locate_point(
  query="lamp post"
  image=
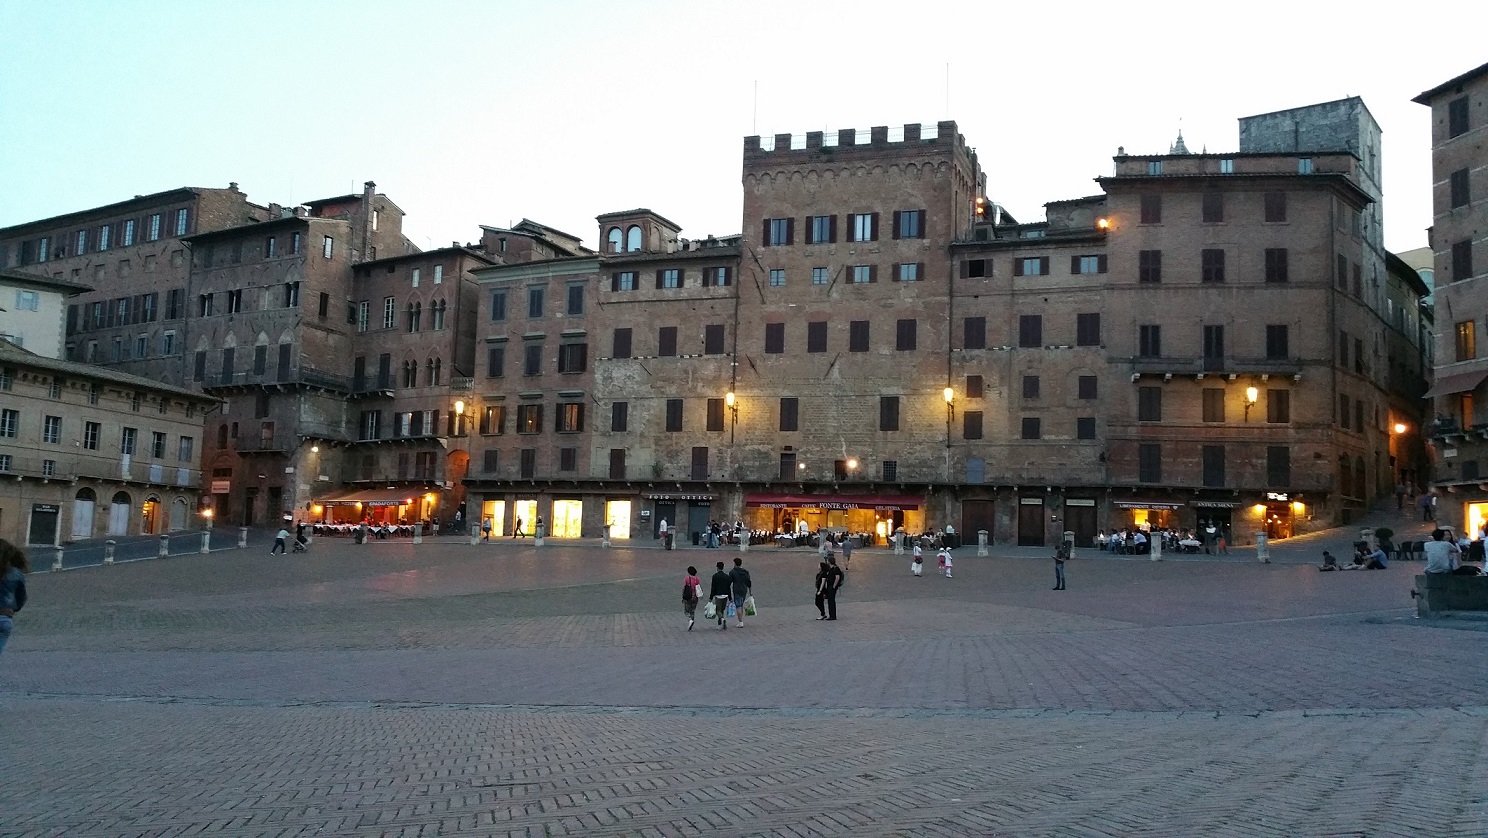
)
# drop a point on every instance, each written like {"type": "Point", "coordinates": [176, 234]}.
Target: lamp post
{"type": "Point", "coordinates": [1251, 395]}
{"type": "Point", "coordinates": [732, 403]}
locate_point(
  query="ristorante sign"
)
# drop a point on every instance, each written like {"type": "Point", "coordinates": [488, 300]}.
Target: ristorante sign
{"type": "Point", "coordinates": [878, 502]}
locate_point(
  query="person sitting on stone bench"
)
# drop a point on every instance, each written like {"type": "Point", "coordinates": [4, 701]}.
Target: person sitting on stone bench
{"type": "Point", "coordinates": [1442, 556]}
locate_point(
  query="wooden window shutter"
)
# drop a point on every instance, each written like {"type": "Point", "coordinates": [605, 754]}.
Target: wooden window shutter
{"type": "Point", "coordinates": [658, 278]}
{"type": "Point", "coordinates": [1074, 264]}
{"type": "Point", "coordinates": [872, 273]}
{"type": "Point", "coordinates": [832, 230]}
{"type": "Point", "coordinates": [790, 231]}
{"type": "Point", "coordinates": [765, 234]}
{"type": "Point", "coordinates": [614, 282]}
{"type": "Point", "coordinates": [1100, 263]}
{"type": "Point", "coordinates": [920, 271]}
{"type": "Point", "coordinates": [874, 224]}
{"type": "Point", "coordinates": [1043, 266]}
{"type": "Point", "coordinates": [896, 224]}
{"type": "Point", "coordinates": [728, 276]}
{"type": "Point", "coordinates": [924, 222]}
{"type": "Point", "coordinates": [1017, 267]}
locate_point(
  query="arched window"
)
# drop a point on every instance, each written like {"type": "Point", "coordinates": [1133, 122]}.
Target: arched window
{"type": "Point", "coordinates": [436, 315]}
{"type": "Point", "coordinates": [410, 373]}
{"type": "Point", "coordinates": [633, 239]}
{"type": "Point", "coordinates": [435, 371]}
{"type": "Point", "coordinates": [222, 435]}
{"type": "Point", "coordinates": [612, 240]}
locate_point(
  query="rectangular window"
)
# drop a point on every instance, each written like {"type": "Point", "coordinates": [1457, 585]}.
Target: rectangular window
{"type": "Point", "coordinates": [620, 344]}
{"type": "Point", "coordinates": [1467, 340]}
{"type": "Point", "coordinates": [971, 424]}
{"type": "Point", "coordinates": [1278, 466]}
{"type": "Point", "coordinates": [857, 336]}
{"type": "Point", "coordinates": [699, 463]}
{"type": "Point", "coordinates": [389, 312]}
{"type": "Point", "coordinates": [493, 420]}
{"type": "Point", "coordinates": [1030, 331]}
{"type": "Point", "coordinates": [1149, 266]}
{"type": "Point", "coordinates": [1032, 428]}
{"type": "Point", "coordinates": [363, 315]}
{"type": "Point", "coordinates": [323, 308]}
{"type": "Point", "coordinates": [1277, 342]}
{"type": "Point", "coordinates": [1462, 261]}
{"type": "Point", "coordinates": [1227, 166]}
{"type": "Point", "coordinates": [667, 278]}
{"type": "Point", "coordinates": [974, 387]}
{"type": "Point", "coordinates": [1088, 387]}
{"type": "Point", "coordinates": [674, 415]}
{"type": "Point", "coordinates": [127, 238]}
{"type": "Point", "coordinates": [271, 247]}
{"type": "Point", "coordinates": [1212, 265]}
{"type": "Point", "coordinates": [908, 271]}
{"type": "Point", "coordinates": [1213, 207]}
{"type": "Point", "coordinates": [81, 243]}
{"type": "Point", "coordinates": [816, 336]}
{"type": "Point", "coordinates": [713, 421]}
{"type": "Point", "coordinates": [91, 432]}
{"type": "Point", "coordinates": [1149, 404]}
{"type": "Point", "coordinates": [498, 306]}
{"type": "Point", "coordinates": [10, 423]}
{"type": "Point", "coordinates": [1031, 266]}
{"type": "Point", "coordinates": [490, 460]}
{"type": "Point", "coordinates": [181, 218]}
{"type": "Point", "coordinates": [863, 227]}
{"type": "Point", "coordinates": [575, 299]}
{"type": "Point", "coordinates": [1460, 196]}
{"type": "Point", "coordinates": [1088, 264]}
{"type": "Point", "coordinates": [1030, 386]}
{"type": "Point", "coordinates": [1343, 411]}
{"type": "Point", "coordinates": [28, 300]}
{"type": "Point", "coordinates": [1304, 165]}
{"type": "Point", "coordinates": [713, 338]}
{"type": "Point", "coordinates": [976, 268]}
{"type": "Point", "coordinates": [327, 247]}
{"type": "Point", "coordinates": [185, 449]}
{"type": "Point", "coordinates": [888, 413]}
{"type": "Point", "coordinates": [1457, 117]}
{"type": "Point", "coordinates": [774, 338]}
{"type": "Point", "coordinates": [1359, 356]}
{"type": "Point", "coordinates": [1276, 206]}
{"type": "Point", "coordinates": [568, 459]}
{"type": "Point", "coordinates": [127, 439]}
{"type": "Point", "coordinates": [529, 418]}
{"type": "Point", "coordinates": [153, 227]}
{"type": "Point", "coordinates": [105, 236]}
{"type": "Point", "coordinates": [291, 294]}
{"type": "Point", "coordinates": [1276, 264]}
{"type": "Point", "coordinates": [1151, 209]}
{"type": "Point", "coordinates": [1340, 272]}
{"type": "Point", "coordinates": [666, 341]}
{"type": "Point", "coordinates": [819, 276]}
{"type": "Point", "coordinates": [778, 232]}
{"type": "Point", "coordinates": [1278, 407]}
{"type": "Point", "coordinates": [51, 430]}
{"type": "Point", "coordinates": [1149, 462]}
{"type": "Point", "coordinates": [570, 418]}
{"type": "Point", "coordinates": [1088, 329]}
{"type": "Point", "coordinates": [1085, 427]}
{"type": "Point", "coordinates": [1214, 404]}
{"type": "Point", "coordinates": [1154, 167]}
{"type": "Point", "coordinates": [527, 463]}
{"type": "Point", "coordinates": [619, 417]}
{"type": "Point", "coordinates": [974, 333]}
{"type": "Point", "coordinates": [532, 359]}
{"type": "Point", "coordinates": [787, 466]}
{"type": "Point", "coordinates": [260, 359]}
{"type": "Point", "coordinates": [905, 335]}
{"type": "Point", "coordinates": [864, 274]}
{"type": "Point", "coordinates": [438, 274]}
{"type": "Point", "coordinates": [534, 303]}
{"type": "Point", "coordinates": [295, 240]}
{"type": "Point", "coordinates": [573, 357]}
{"type": "Point", "coordinates": [1214, 466]}
{"type": "Point", "coordinates": [718, 277]}
{"type": "Point", "coordinates": [495, 362]}
{"type": "Point", "coordinates": [821, 229]}
{"type": "Point", "coordinates": [617, 463]}
{"type": "Point", "coordinates": [909, 224]}
{"type": "Point", "coordinates": [790, 408]}
{"type": "Point", "coordinates": [417, 274]}
{"type": "Point", "coordinates": [157, 445]}
{"type": "Point", "coordinates": [626, 281]}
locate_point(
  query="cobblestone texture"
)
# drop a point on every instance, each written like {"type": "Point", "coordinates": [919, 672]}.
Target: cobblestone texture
{"type": "Point", "coordinates": [505, 690]}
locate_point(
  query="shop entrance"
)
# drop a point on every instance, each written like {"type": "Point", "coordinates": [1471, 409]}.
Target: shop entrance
{"type": "Point", "coordinates": [665, 511]}
{"type": "Point", "coordinates": [1030, 522]}
{"type": "Point", "coordinates": [1222, 521]}
{"type": "Point", "coordinates": [1278, 519]}
{"type": "Point", "coordinates": [118, 523]}
{"type": "Point", "coordinates": [524, 512]}
{"type": "Point", "coordinates": [568, 519]}
{"type": "Point", "coordinates": [495, 512]}
{"type": "Point", "coordinates": [150, 515]}
{"type": "Point", "coordinates": [43, 528]}
{"type": "Point", "coordinates": [699, 513]}
{"type": "Point", "coordinates": [1079, 518]}
{"type": "Point", "coordinates": [82, 513]}
{"type": "Point", "coordinates": [617, 515]}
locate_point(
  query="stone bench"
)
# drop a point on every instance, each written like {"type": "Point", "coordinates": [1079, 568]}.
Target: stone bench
{"type": "Point", "coordinates": [1436, 593]}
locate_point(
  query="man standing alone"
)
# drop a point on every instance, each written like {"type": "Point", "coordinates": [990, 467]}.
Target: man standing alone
{"type": "Point", "coordinates": [835, 578]}
{"type": "Point", "coordinates": [740, 585]}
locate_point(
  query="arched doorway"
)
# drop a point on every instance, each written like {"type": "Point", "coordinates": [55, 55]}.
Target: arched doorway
{"type": "Point", "coordinates": [150, 516]}
{"type": "Point", "coordinates": [83, 506]}
{"type": "Point", "coordinates": [180, 514]}
{"type": "Point", "coordinates": [118, 521]}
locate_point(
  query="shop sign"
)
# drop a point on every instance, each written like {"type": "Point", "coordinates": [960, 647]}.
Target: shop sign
{"type": "Point", "coordinates": [1079, 502]}
{"type": "Point", "coordinates": [1278, 496]}
{"type": "Point", "coordinates": [1214, 504]}
{"type": "Point", "coordinates": [1146, 504]}
{"type": "Point", "coordinates": [1030, 501]}
{"type": "Point", "coordinates": [221, 487]}
{"type": "Point", "coordinates": [45, 507]}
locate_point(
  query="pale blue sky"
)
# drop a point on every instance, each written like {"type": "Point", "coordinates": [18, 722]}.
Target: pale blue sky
{"type": "Point", "coordinates": [469, 113]}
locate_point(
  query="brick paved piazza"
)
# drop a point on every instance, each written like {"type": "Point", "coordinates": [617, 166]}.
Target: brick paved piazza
{"type": "Point", "coordinates": [501, 689]}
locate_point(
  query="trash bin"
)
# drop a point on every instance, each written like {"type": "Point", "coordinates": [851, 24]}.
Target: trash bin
{"type": "Point", "coordinates": [697, 538]}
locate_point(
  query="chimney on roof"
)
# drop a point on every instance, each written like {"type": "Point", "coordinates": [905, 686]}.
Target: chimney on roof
{"type": "Point", "coordinates": [233, 185]}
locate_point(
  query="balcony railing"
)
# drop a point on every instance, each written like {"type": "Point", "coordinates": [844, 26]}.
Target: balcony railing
{"type": "Point", "coordinates": [307, 376]}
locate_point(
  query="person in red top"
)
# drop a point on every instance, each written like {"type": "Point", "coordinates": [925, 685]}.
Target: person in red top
{"type": "Point", "coordinates": [692, 587]}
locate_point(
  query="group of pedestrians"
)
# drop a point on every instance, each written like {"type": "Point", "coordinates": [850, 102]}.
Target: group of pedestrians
{"type": "Point", "coordinates": [730, 595]}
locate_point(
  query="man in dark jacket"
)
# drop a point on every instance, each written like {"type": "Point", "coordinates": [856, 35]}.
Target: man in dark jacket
{"type": "Point", "coordinates": [718, 592]}
{"type": "Point", "coordinates": [834, 580]}
{"type": "Point", "coordinates": [740, 588]}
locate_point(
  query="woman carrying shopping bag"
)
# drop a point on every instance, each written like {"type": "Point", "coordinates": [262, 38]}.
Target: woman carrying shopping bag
{"type": "Point", "coordinates": [719, 596]}
{"type": "Point", "coordinates": [692, 591]}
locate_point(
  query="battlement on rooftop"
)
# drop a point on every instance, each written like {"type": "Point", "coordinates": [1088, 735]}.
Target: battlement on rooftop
{"type": "Point", "coordinates": [855, 142]}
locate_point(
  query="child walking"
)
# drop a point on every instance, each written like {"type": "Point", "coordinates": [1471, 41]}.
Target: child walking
{"type": "Point", "coordinates": [945, 562]}
{"type": "Point", "coordinates": [917, 566]}
{"type": "Point", "coordinates": [692, 591]}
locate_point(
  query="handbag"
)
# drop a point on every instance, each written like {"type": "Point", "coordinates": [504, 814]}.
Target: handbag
{"type": "Point", "coordinates": [749, 609]}
{"type": "Point", "coordinates": [710, 610]}
{"type": "Point", "coordinates": [697, 591]}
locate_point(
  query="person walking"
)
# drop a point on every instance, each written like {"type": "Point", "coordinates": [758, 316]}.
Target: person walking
{"type": "Point", "coordinates": [917, 565]}
{"type": "Point", "coordinates": [847, 548]}
{"type": "Point", "coordinates": [486, 529]}
{"type": "Point", "coordinates": [281, 542]}
{"type": "Point", "coordinates": [517, 528]}
{"type": "Point", "coordinates": [13, 570]}
{"type": "Point", "coordinates": [661, 532]}
{"type": "Point", "coordinates": [822, 575]}
{"type": "Point", "coordinates": [945, 561]}
{"type": "Point", "coordinates": [834, 580]}
{"type": "Point", "coordinates": [718, 594]}
{"type": "Point", "coordinates": [692, 590]}
{"type": "Point", "coordinates": [1061, 554]}
{"type": "Point", "coordinates": [741, 587]}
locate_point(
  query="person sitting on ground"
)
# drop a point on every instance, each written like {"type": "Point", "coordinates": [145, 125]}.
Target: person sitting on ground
{"type": "Point", "coordinates": [1330, 562]}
